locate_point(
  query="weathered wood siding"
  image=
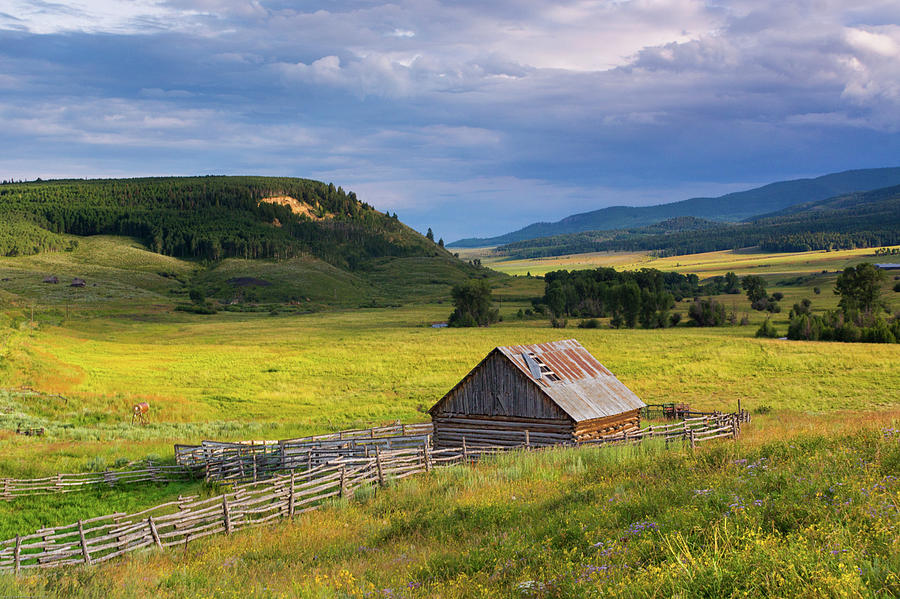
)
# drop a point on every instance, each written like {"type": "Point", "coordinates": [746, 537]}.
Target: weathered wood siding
{"type": "Point", "coordinates": [495, 406]}
{"type": "Point", "coordinates": [497, 388]}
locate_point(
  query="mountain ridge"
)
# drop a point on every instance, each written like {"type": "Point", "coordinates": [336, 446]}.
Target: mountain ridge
{"type": "Point", "coordinates": [731, 207]}
{"type": "Point", "coordinates": [858, 219]}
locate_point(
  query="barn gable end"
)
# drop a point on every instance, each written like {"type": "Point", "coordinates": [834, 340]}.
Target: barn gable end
{"type": "Point", "coordinates": [497, 388]}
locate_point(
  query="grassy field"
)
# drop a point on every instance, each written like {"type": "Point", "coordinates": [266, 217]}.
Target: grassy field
{"type": "Point", "coordinates": [821, 437]}
{"type": "Point", "coordinates": [742, 262]}
{"type": "Point", "coordinates": [239, 375]}
{"type": "Point", "coordinates": [782, 512]}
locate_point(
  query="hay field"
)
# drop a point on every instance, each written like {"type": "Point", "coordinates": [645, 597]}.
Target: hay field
{"type": "Point", "coordinates": [742, 262]}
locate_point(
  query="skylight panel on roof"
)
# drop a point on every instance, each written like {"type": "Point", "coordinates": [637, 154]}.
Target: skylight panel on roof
{"type": "Point", "coordinates": [538, 369]}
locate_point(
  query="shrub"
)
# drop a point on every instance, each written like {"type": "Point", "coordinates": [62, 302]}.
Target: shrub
{"type": "Point", "coordinates": [817, 290]}
{"type": "Point", "coordinates": [195, 308]}
{"type": "Point", "coordinates": [880, 332]}
{"type": "Point", "coordinates": [591, 323]}
{"type": "Point", "coordinates": [707, 313]}
{"type": "Point", "coordinates": [96, 464]}
{"type": "Point", "coordinates": [558, 323]}
{"type": "Point", "coordinates": [473, 305]}
{"type": "Point", "coordinates": [777, 296]}
{"type": "Point", "coordinates": [767, 330]}
{"type": "Point", "coordinates": [675, 318]}
{"type": "Point", "coordinates": [897, 287]}
{"type": "Point", "coordinates": [763, 409]}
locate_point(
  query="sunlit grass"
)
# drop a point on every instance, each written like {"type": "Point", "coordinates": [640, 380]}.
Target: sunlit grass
{"type": "Point", "coordinates": [810, 515]}
{"type": "Point", "coordinates": [708, 264]}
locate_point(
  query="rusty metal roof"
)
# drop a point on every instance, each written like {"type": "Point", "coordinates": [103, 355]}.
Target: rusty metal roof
{"type": "Point", "coordinates": [585, 389]}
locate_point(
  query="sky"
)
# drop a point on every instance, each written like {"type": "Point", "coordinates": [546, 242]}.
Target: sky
{"type": "Point", "coordinates": [472, 118]}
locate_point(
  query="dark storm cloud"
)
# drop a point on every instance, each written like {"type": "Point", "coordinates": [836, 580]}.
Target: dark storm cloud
{"type": "Point", "coordinates": [516, 111]}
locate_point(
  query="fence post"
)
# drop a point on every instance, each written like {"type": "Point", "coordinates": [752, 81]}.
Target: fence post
{"type": "Point", "coordinates": [426, 457]}
{"type": "Point", "coordinates": [226, 514]}
{"type": "Point", "coordinates": [693, 442]}
{"type": "Point", "coordinates": [254, 466]}
{"type": "Point", "coordinates": [16, 554]}
{"type": "Point", "coordinates": [154, 532]}
{"type": "Point", "coordinates": [84, 549]}
{"type": "Point", "coordinates": [378, 466]}
{"type": "Point", "coordinates": [527, 439]}
{"type": "Point", "coordinates": [309, 460]}
{"type": "Point", "coordinates": [291, 497]}
{"type": "Point", "coordinates": [465, 452]}
{"type": "Point", "coordinates": [402, 430]}
{"type": "Point", "coordinates": [343, 491]}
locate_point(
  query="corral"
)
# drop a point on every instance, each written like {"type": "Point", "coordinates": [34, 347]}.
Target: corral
{"type": "Point", "coordinates": [279, 488]}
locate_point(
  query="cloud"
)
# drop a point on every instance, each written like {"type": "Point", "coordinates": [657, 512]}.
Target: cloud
{"type": "Point", "coordinates": [528, 108]}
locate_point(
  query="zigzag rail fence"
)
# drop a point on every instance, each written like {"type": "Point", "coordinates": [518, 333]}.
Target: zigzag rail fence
{"type": "Point", "coordinates": [281, 495]}
{"type": "Point", "coordinates": [12, 488]}
{"type": "Point", "coordinates": [192, 459]}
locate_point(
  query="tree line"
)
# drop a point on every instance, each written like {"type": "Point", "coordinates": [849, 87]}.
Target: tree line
{"type": "Point", "coordinates": [211, 218]}
{"type": "Point", "coordinates": [861, 315]}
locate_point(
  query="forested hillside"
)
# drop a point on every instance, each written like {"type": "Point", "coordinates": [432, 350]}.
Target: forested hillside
{"type": "Point", "coordinates": [868, 219]}
{"type": "Point", "coordinates": [207, 218]}
{"type": "Point", "coordinates": [731, 207]}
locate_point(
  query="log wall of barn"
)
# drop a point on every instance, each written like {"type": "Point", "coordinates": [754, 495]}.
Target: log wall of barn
{"type": "Point", "coordinates": [611, 425]}
{"type": "Point", "coordinates": [451, 429]}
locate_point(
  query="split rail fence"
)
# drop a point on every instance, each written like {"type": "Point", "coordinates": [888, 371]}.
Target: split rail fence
{"type": "Point", "coordinates": [283, 495]}
{"type": "Point", "coordinates": [12, 488]}
{"type": "Point", "coordinates": [252, 460]}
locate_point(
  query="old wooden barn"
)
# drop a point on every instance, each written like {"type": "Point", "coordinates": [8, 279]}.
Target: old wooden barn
{"type": "Point", "coordinates": [548, 393]}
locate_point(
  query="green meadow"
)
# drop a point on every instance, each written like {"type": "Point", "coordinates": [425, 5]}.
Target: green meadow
{"type": "Point", "coordinates": [560, 523]}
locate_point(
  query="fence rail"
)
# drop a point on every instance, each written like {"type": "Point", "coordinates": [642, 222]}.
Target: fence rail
{"type": "Point", "coordinates": [681, 411]}
{"type": "Point", "coordinates": [283, 495]}
{"type": "Point", "coordinates": [11, 488]}
{"type": "Point", "coordinates": [250, 460]}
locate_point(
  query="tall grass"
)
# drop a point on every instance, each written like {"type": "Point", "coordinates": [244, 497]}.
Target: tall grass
{"type": "Point", "coordinates": [811, 516]}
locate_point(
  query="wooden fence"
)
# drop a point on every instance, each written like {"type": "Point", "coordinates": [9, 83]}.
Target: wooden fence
{"type": "Point", "coordinates": [673, 411]}
{"type": "Point", "coordinates": [235, 462]}
{"type": "Point", "coordinates": [282, 495]}
{"type": "Point", "coordinates": [251, 460]}
{"type": "Point", "coordinates": [251, 504]}
{"type": "Point", "coordinates": [11, 488]}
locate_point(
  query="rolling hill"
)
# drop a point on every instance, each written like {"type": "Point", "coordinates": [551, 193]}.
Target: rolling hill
{"type": "Point", "coordinates": [238, 239]}
{"type": "Point", "coordinates": [731, 207]}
